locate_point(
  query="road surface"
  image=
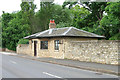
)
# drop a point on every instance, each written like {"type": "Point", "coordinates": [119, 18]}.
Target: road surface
{"type": "Point", "coordinates": [17, 67]}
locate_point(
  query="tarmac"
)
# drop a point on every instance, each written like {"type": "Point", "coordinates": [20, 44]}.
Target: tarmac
{"type": "Point", "coordinates": [101, 68]}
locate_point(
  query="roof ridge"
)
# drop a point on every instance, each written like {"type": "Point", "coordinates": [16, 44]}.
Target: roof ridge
{"type": "Point", "coordinates": [42, 32]}
{"type": "Point", "coordinates": [50, 31]}
{"type": "Point", "coordinates": [67, 31]}
{"type": "Point", "coordinates": [32, 35]}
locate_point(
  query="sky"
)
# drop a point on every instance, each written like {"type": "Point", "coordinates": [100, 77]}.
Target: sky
{"type": "Point", "coordinates": [14, 5]}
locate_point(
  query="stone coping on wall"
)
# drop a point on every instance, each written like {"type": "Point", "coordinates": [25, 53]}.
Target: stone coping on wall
{"type": "Point", "coordinates": [98, 41]}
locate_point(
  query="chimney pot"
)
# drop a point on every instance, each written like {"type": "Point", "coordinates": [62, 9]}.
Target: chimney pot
{"type": "Point", "coordinates": [50, 21]}
{"type": "Point", "coordinates": [52, 24]}
{"type": "Point", "coordinates": [53, 21]}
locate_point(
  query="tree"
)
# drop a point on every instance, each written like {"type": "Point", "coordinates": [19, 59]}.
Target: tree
{"type": "Point", "coordinates": [44, 14]}
{"type": "Point", "coordinates": [6, 17]}
{"type": "Point", "coordinates": [13, 29]}
{"type": "Point", "coordinates": [17, 25]}
{"type": "Point", "coordinates": [48, 11]}
{"type": "Point", "coordinates": [62, 17]}
{"type": "Point", "coordinates": [111, 21]}
{"type": "Point", "coordinates": [28, 14]}
{"type": "Point", "coordinates": [92, 21]}
{"type": "Point", "coordinates": [16, 30]}
{"type": "Point", "coordinates": [80, 15]}
{"type": "Point", "coordinates": [0, 33]}
{"type": "Point", "coordinates": [23, 41]}
{"type": "Point", "coordinates": [96, 10]}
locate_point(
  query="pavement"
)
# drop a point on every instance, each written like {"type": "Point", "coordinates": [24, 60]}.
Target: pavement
{"type": "Point", "coordinates": [23, 66]}
{"type": "Point", "coordinates": [104, 68]}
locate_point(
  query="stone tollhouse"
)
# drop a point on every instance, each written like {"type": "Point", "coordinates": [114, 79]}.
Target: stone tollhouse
{"type": "Point", "coordinates": [56, 42]}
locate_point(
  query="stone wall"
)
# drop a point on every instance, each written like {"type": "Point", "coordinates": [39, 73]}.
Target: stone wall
{"type": "Point", "coordinates": [100, 51]}
{"type": "Point", "coordinates": [24, 49]}
{"type": "Point", "coordinates": [2, 49]}
{"type": "Point", "coordinates": [6, 50]}
{"type": "Point", "coordinates": [82, 49]}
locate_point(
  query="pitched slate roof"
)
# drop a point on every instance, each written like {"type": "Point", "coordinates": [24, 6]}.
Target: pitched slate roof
{"type": "Point", "coordinates": [64, 32]}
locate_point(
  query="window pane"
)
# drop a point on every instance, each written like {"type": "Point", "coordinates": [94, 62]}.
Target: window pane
{"type": "Point", "coordinates": [44, 44]}
{"type": "Point", "coordinates": [56, 44]}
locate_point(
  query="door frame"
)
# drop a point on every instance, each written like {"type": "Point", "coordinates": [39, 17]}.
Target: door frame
{"type": "Point", "coordinates": [35, 48]}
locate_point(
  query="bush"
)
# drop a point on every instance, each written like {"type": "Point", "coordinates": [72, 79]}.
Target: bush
{"type": "Point", "coordinates": [115, 37]}
{"type": "Point", "coordinates": [23, 41]}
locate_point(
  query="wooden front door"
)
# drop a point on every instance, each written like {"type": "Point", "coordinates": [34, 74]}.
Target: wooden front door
{"type": "Point", "coordinates": [35, 48]}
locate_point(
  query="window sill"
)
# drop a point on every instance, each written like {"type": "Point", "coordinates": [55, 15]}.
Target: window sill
{"type": "Point", "coordinates": [43, 49]}
{"type": "Point", "coordinates": [56, 50]}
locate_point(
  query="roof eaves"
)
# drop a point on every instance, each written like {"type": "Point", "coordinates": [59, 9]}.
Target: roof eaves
{"type": "Point", "coordinates": [68, 36]}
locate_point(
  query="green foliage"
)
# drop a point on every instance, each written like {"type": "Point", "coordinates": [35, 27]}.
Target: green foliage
{"type": "Point", "coordinates": [0, 33]}
{"type": "Point", "coordinates": [44, 15]}
{"type": "Point", "coordinates": [69, 3]}
{"type": "Point", "coordinates": [115, 37]}
{"type": "Point", "coordinates": [62, 17]}
{"type": "Point", "coordinates": [95, 14]}
{"type": "Point", "coordinates": [63, 24]}
{"type": "Point", "coordinates": [52, 11]}
{"type": "Point", "coordinates": [28, 11]}
{"type": "Point", "coordinates": [17, 25]}
{"type": "Point", "coordinates": [6, 17]}
{"type": "Point", "coordinates": [79, 16]}
{"type": "Point", "coordinates": [14, 30]}
{"type": "Point", "coordinates": [96, 21]}
{"type": "Point", "coordinates": [96, 8]}
{"type": "Point", "coordinates": [23, 41]}
{"type": "Point", "coordinates": [111, 21]}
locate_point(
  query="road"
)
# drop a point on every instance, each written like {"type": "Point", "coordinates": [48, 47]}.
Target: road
{"type": "Point", "coordinates": [17, 67]}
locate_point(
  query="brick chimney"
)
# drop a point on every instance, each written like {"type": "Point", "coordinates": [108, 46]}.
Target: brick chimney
{"type": "Point", "coordinates": [52, 24]}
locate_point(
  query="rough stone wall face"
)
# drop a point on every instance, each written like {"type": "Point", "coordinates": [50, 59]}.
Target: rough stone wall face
{"type": "Point", "coordinates": [23, 49]}
{"type": "Point", "coordinates": [82, 49]}
{"type": "Point", "coordinates": [100, 51]}
{"type": "Point", "coordinates": [50, 52]}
